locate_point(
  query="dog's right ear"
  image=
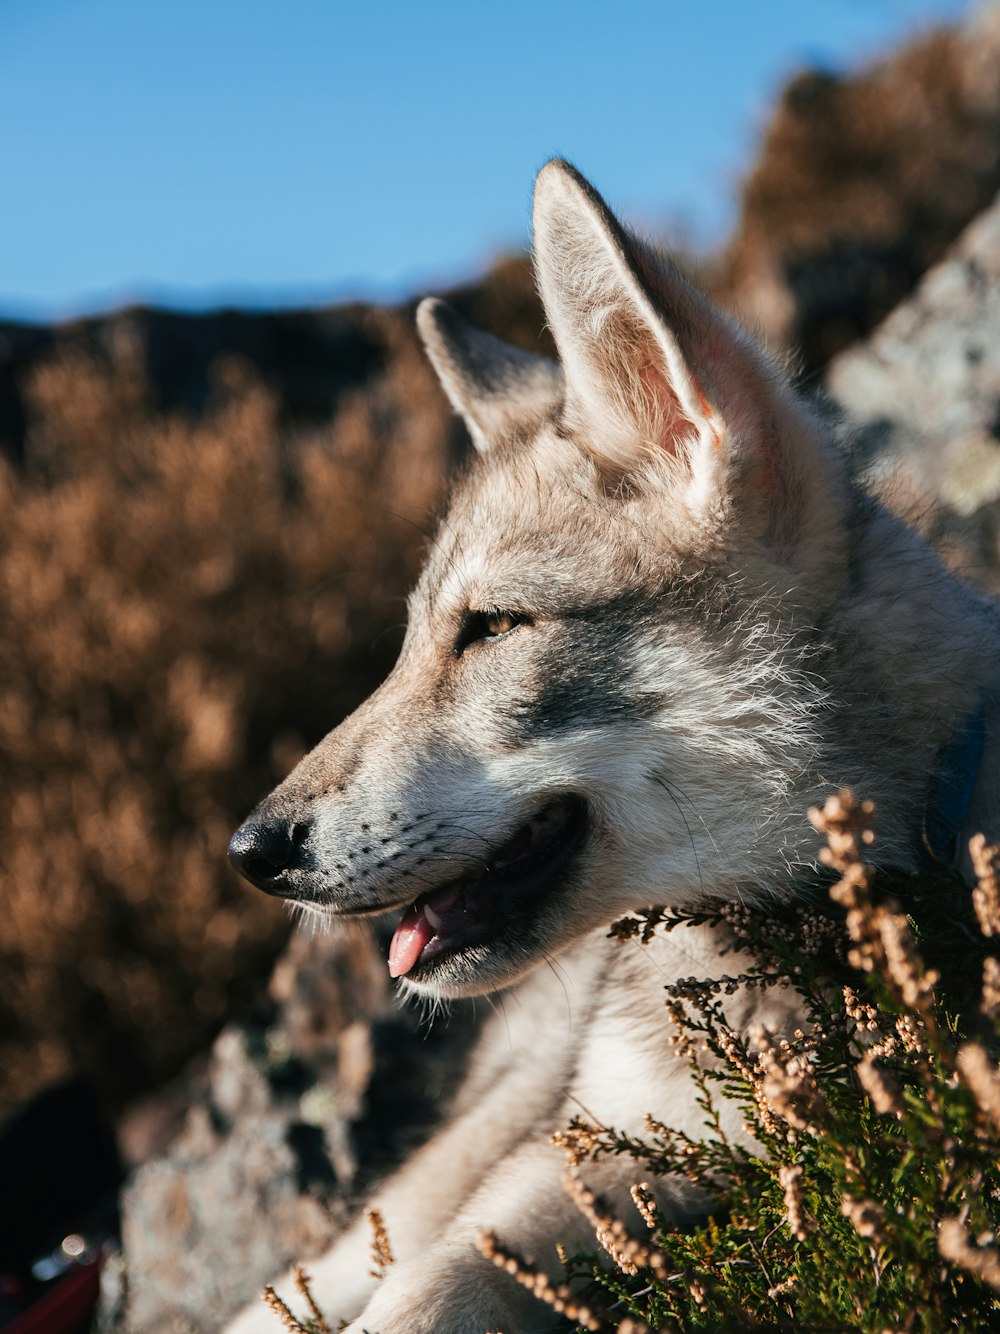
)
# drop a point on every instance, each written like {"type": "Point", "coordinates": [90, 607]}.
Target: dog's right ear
{"type": "Point", "coordinates": [495, 387]}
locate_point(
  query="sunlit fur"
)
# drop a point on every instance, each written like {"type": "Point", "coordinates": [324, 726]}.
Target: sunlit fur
{"type": "Point", "coordinates": [718, 628]}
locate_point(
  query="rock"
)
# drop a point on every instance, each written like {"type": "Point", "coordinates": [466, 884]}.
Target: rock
{"type": "Point", "coordinates": [206, 1227]}
{"type": "Point", "coordinates": [259, 1175]}
{"type": "Point", "coordinates": [293, 1114]}
{"type": "Point", "coordinates": [923, 394]}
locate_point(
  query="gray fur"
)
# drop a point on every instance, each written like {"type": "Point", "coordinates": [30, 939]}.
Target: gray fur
{"type": "Point", "coordinates": [710, 628]}
{"type": "Point", "coordinates": [497, 388]}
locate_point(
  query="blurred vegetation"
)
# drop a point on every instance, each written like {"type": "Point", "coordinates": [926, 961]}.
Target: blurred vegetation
{"type": "Point", "coordinates": [189, 604]}
{"type": "Point", "coordinates": [861, 184]}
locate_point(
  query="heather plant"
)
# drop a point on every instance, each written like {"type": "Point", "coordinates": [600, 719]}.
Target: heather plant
{"type": "Point", "coordinates": [870, 1199]}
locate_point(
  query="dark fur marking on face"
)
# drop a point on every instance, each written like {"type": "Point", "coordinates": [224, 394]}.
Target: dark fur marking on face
{"type": "Point", "coordinates": [586, 674]}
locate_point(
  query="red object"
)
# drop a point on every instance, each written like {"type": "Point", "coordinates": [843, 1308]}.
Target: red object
{"type": "Point", "coordinates": [67, 1305]}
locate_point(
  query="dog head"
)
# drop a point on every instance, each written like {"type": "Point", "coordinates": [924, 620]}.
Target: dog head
{"type": "Point", "coordinates": [602, 699]}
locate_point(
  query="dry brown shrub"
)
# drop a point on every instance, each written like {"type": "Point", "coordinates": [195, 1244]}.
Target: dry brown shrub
{"type": "Point", "coordinates": [861, 183]}
{"type": "Point", "coordinates": [177, 595]}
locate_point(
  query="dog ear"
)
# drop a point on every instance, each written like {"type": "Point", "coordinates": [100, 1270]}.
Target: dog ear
{"type": "Point", "coordinates": [495, 387]}
{"type": "Point", "coordinates": [655, 373]}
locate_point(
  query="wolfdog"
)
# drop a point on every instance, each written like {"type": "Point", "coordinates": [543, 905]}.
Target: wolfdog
{"type": "Point", "coordinates": [659, 621]}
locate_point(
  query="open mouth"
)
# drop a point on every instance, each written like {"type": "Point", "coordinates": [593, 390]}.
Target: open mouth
{"type": "Point", "coordinates": [477, 908]}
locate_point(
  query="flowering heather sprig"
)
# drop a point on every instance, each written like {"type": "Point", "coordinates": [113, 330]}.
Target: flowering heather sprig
{"type": "Point", "coordinates": [289, 1321]}
{"type": "Point", "coordinates": [867, 1217]}
{"type": "Point", "coordinates": [886, 1047]}
{"type": "Point", "coordinates": [579, 1141]}
{"type": "Point", "coordinates": [880, 1087]}
{"type": "Point", "coordinates": [883, 940]}
{"type": "Point", "coordinates": [845, 822]}
{"type": "Point", "coordinates": [304, 1287]}
{"type": "Point", "coordinates": [861, 1012]}
{"type": "Point", "coordinates": [982, 1078]}
{"type": "Point", "coordinates": [680, 1038]}
{"type": "Point", "coordinates": [556, 1295]}
{"type": "Point", "coordinates": [986, 896]}
{"type": "Point", "coordinates": [642, 927]}
{"type": "Point", "coordinates": [790, 1177]}
{"type": "Point", "coordinates": [628, 1253]}
{"type": "Point", "coordinates": [675, 1152]}
{"type": "Point", "coordinates": [912, 1036]}
{"type": "Point", "coordinates": [739, 918]}
{"type": "Point", "coordinates": [956, 1245]}
{"type": "Point", "coordinates": [990, 1004]}
{"type": "Point", "coordinates": [903, 964]}
{"type": "Point", "coordinates": [789, 1086]}
{"type": "Point", "coordinates": [733, 1048]}
{"type": "Point", "coordinates": [381, 1250]}
{"type": "Point", "coordinates": [818, 935]}
{"type": "Point", "coordinates": [642, 1198]}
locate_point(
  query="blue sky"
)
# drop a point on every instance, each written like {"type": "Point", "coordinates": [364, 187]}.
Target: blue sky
{"type": "Point", "coordinates": [196, 152]}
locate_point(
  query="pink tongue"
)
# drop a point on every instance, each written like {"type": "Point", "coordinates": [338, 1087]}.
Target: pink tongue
{"type": "Point", "coordinates": [414, 931]}
{"type": "Point", "coordinates": [412, 934]}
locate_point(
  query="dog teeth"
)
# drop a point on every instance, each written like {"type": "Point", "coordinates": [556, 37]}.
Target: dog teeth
{"type": "Point", "coordinates": [435, 919]}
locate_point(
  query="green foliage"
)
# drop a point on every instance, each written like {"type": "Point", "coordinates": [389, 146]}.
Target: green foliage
{"type": "Point", "coordinates": [872, 1196]}
{"type": "Point", "coordinates": [861, 1188]}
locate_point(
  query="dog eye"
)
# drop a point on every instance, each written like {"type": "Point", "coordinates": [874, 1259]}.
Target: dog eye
{"type": "Point", "coordinates": [479, 625]}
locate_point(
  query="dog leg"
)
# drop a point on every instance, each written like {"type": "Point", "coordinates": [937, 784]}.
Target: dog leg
{"type": "Point", "coordinates": [421, 1199]}
{"type": "Point", "coordinates": [453, 1289]}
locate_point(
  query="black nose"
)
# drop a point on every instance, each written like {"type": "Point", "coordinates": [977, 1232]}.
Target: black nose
{"type": "Point", "coordinates": [266, 850]}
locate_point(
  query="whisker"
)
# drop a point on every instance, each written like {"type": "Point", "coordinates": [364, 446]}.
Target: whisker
{"type": "Point", "coordinates": [662, 782]}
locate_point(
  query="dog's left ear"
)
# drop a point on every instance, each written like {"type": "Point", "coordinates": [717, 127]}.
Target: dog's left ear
{"type": "Point", "coordinates": [659, 382]}
{"type": "Point", "coordinates": [495, 387]}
